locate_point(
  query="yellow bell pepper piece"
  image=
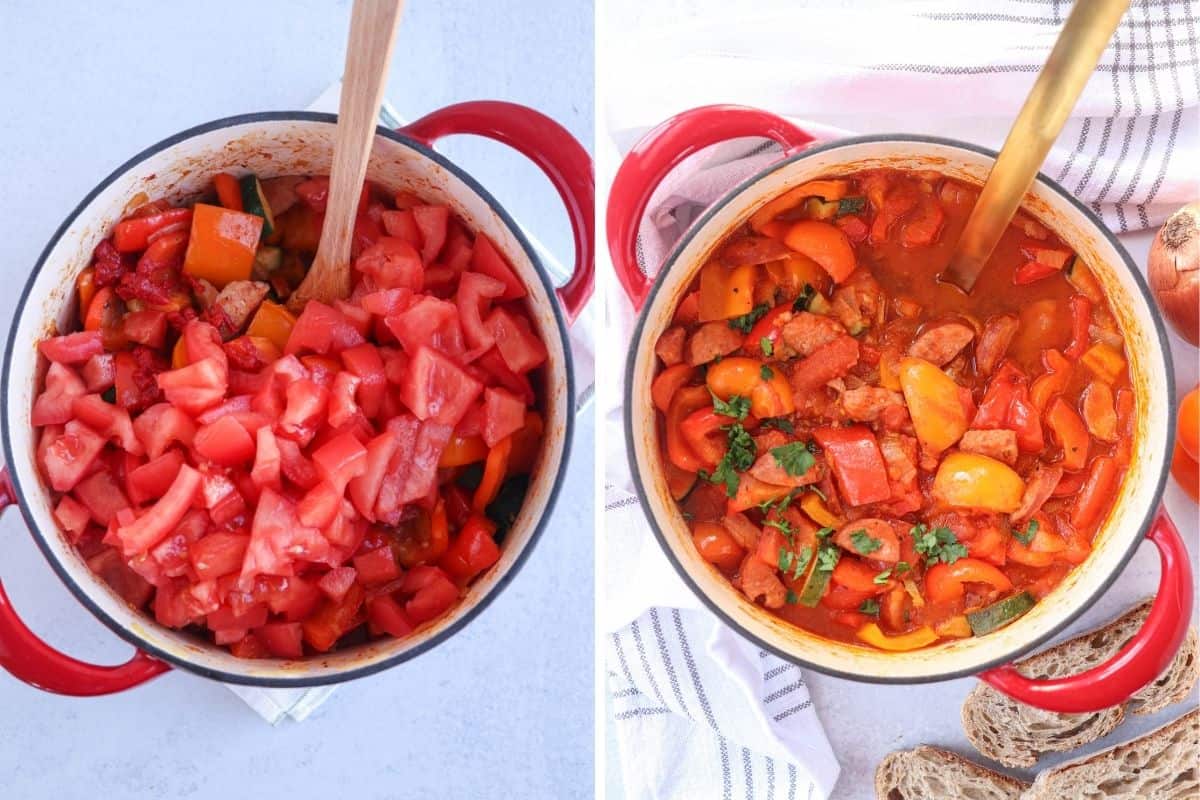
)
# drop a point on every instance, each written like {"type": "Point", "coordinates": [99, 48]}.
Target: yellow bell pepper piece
{"type": "Point", "coordinates": [970, 480]}
{"type": "Point", "coordinates": [272, 322]}
{"type": "Point", "coordinates": [726, 292]}
{"type": "Point", "coordinates": [179, 357]}
{"type": "Point", "coordinates": [816, 510]}
{"type": "Point", "coordinates": [933, 403]}
{"type": "Point", "coordinates": [955, 628]}
{"type": "Point", "coordinates": [793, 272]}
{"type": "Point", "coordinates": [826, 190]}
{"type": "Point", "coordinates": [913, 640]}
{"type": "Point", "coordinates": [1105, 361]}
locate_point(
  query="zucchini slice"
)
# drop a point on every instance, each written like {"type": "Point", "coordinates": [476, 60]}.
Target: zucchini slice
{"type": "Point", "coordinates": [1000, 613]}
{"type": "Point", "coordinates": [851, 205]}
{"type": "Point", "coordinates": [254, 201]}
{"type": "Point", "coordinates": [817, 581]}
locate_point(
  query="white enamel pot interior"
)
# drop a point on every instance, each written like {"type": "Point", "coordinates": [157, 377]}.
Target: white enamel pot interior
{"type": "Point", "coordinates": [180, 169]}
{"type": "Point", "coordinates": [1150, 370]}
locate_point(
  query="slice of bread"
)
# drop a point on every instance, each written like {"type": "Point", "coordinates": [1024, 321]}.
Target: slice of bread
{"type": "Point", "coordinates": [1162, 765]}
{"type": "Point", "coordinates": [1016, 735]}
{"type": "Point", "coordinates": [930, 773]}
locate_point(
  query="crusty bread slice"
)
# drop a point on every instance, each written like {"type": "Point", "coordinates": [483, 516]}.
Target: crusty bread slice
{"type": "Point", "coordinates": [1162, 765]}
{"type": "Point", "coordinates": [1016, 735]}
{"type": "Point", "coordinates": [926, 773]}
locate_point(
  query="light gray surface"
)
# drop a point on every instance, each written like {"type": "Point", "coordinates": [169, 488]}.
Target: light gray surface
{"type": "Point", "coordinates": [502, 710]}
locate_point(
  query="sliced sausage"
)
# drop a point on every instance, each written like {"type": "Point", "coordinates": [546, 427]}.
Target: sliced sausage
{"type": "Point", "coordinates": [998, 332]}
{"type": "Point", "coordinates": [769, 438]}
{"type": "Point", "coordinates": [829, 361]}
{"type": "Point", "coordinates": [239, 300]}
{"type": "Point", "coordinates": [998, 444]}
{"type": "Point", "coordinates": [712, 339]}
{"type": "Point", "coordinates": [859, 303]}
{"type": "Point", "coordinates": [866, 403]}
{"type": "Point", "coordinates": [805, 332]}
{"type": "Point", "coordinates": [768, 470]}
{"type": "Point", "coordinates": [206, 293]}
{"type": "Point", "coordinates": [870, 538]}
{"type": "Point", "coordinates": [743, 531]}
{"type": "Point", "coordinates": [758, 580]}
{"type": "Point", "coordinates": [669, 346]}
{"type": "Point", "coordinates": [1038, 489]}
{"type": "Point", "coordinates": [941, 341]}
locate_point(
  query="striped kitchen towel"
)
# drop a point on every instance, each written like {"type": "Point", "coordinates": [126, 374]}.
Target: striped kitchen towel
{"type": "Point", "coordinates": [698, 711]}
{"type": "Point", "coordinates": [958, 69]}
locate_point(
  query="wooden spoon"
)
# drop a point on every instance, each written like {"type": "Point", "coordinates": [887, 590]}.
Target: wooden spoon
{"type": "Point", "coordinates": [368, 51]}
{"type": "Point", "coordinates": [1086, 33]}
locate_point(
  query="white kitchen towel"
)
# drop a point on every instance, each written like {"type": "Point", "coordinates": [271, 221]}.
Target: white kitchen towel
{"type": "Point", "coordinates": [699, 712]}
{"type": "Point", "coordinates": [958, 69]}
{"type": "Point", "coordinates": [277, 705]}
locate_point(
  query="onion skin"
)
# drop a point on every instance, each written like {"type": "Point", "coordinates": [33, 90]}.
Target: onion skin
{"type": "Point", "coordinates": [1174, 271]}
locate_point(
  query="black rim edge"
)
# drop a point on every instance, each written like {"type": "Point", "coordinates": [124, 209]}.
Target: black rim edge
{"type": "Point", "coordinates": [643, 496]}
{"type": "Point", "coordinates": [386, 663]}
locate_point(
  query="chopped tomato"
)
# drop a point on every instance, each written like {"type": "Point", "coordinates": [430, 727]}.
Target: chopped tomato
{"type": "Point", "coordinates": [377, 566]}
{"type": "Point", "coordinates": [224, 442]}
{"type": "Point", "coordinates": [516, 343]}
{"type": "Point", "coordinates": [472, 551]}
{"type": "Point", "coordinates": [73, 348]}
{"type": "Point", "coordinates": [282, 639]}
{"type": "Point", "coordinates": [334, 619]}
{"type": "Point", "coordinates": [68, 456]}
{"type": "Point", "coordinates": [432, 593]}
{"type": "Point", "coordinates": [144, 532]}
{"type": "Point", "coordinates": [475, 291]}
{"type": "Point", "coordinates": [503, 414]}
{"type": "Point", "coordinates": [385, 614]}
{"type": "Point", "coordinates": [486, 259]}
{"type": "Point", "coordinates": [53, 405]}
{"type": "Point", "coordinates": [435, 388]}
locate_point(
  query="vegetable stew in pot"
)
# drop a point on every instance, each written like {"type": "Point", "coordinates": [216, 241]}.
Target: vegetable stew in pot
{"type": "Point", "coordinates": [282, 484]}
{"type": "Point", "coordinates": [871, 454]}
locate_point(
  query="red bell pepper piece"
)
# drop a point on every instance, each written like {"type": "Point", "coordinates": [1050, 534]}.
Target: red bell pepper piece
{"type": "Point", "coordinates": [132, 235]}
{"type": "Point", "coordinates": [1081, 320]}
{"type": "Point", "coordinates": [857, 464]}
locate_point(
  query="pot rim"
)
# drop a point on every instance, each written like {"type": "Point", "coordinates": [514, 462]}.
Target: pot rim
{"type": "Point", "coordinates": [643, 496]}
{"type": "Point", "coordinates": [300, 681]}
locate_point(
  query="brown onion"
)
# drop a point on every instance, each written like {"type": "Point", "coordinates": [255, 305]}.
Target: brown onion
{"type": "Point", "coordinates": [1174, 271]}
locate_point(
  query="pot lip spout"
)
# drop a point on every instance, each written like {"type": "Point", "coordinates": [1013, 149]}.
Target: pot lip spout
{"type": "Point", "coordinates": [1156, 336]}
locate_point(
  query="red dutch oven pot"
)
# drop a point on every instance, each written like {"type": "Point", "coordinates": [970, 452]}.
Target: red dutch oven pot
{"type": "Point", "coordinates": [269, 145]}
{"type": "Point", "coordinates": [1137, 511]}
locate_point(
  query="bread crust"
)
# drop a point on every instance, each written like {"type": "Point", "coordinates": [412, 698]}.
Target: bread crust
{"type": "Point", "coordinates": [1017, 735]}
{"type": "Point", "coordinates": [889, 772]}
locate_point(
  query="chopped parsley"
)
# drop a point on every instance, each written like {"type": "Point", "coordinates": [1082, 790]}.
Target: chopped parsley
{"type": "Point", "coordinates": [882, 578]}
{"type": "Point", "coordinates": [794, 458]}
{"type": "Point", "coordinates": [746, 321]}
{"type": "Point", "coordinates": [827, 558]}
{"type": "Point", "coordinates": [736, 406]}
{"type": "Point", "coordinates": [806, 296]}
{"type": "Point", "coordinates": [738, 458]}
{"type": "Point", "coordinates": [864, 543]}
{"type": "Point", "coordinates": [792, 598]}
{"type": "Point", "coordinates": [781, 423]}
{"type": "Point", "coordinates": [938, 544]}
{"type": "Point", "coordinates": [1026, 536]}
{"type": "Point", "coordinates": [767, 347]}
{"type": "Point", "coordinates": [851, 205]}
{"type": "Point", "coordinates": [782, 525]}
{"type": "Point", "coordinates": [824, 533]}
{"type": "Point", "coordinates": [902, 567]}
{"type": "Point", "coordinates": [795, 563]}
{"type": "Point", "coordinates": [870, 607]}
{"type": "Point", "coordinates": [779, 505]}
{"type": "Point", "coordinates": [766, 372]}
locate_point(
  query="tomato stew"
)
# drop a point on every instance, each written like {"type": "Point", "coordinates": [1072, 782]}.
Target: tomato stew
{"type": "Point", "coordinates": [869, 453]}
{"type": "Point", "coordinates": [279, 483]}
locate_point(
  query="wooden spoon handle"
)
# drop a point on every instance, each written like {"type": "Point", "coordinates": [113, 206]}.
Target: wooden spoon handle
{"type": "Point", "coordinates": [1085, 34]}
{"type": "Point", "coordinates": [368, 52]}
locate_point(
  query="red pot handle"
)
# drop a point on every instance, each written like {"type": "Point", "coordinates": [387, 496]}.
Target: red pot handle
{"type": "Point", "coordinates": [660, 151]}
{"type": "Point", "coordinates": [33, 661]}
{"type": "Point", "coordinates": [1140, 661]}
{"type": "Point", "coordinates": [554, 150]}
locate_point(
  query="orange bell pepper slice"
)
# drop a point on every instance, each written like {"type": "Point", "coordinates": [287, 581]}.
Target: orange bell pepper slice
{"type": "Point", "coordinates": [1095, 493]}
{"type": "Point", "coordinates": [1070, 433]}
{"type": "Point", "coordinates": [743, 377]}
{"type": "Point", "coordinates": [463, 450]}
{"type": "Point", "coordinates": [274, 322]}
{"type": "Point", "coordinates": [685, 401]}
{"type": "Point", "coordinates": [229, 194]}
{"type": "Point", "coordinates": [667, 383]}
{"type": "Point", "coordinates": [824, 244]}
{"type": "Point", "coordinates": [726, 292]}
{"type": "Point", "coordinates": [222, 244]}
{"type": "Point", "coordinates": [826, 190]}
{"type": "Point", "coordinates": [494, 470]}
{"type": "Point", "coordinates": [85, 287]}
{"type": "Point", "coordinates": [944, 582]}
{"type": "Point", "coordinates": [527, 443]}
